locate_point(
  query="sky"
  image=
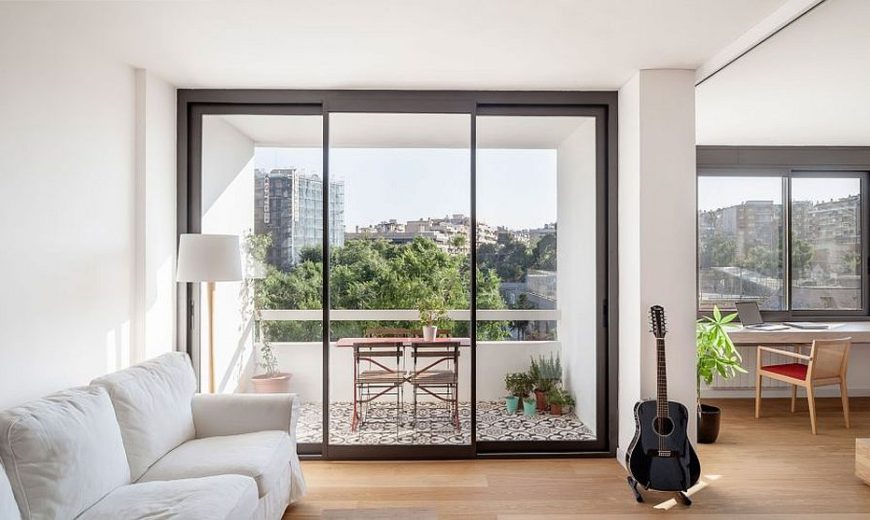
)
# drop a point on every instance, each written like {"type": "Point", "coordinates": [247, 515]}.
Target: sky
{"type": "Point", "coordinates": [722, 192]}
{"type": "Point", "coordinates": [515, 188]}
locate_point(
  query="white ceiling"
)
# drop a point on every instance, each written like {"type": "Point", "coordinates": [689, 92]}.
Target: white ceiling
{"type": "Point", "coordinates": [403, 44]}
{"type": "Point", "coordinates": [406, 130]}
{"type": "Point", "coordinates": [807, 85]}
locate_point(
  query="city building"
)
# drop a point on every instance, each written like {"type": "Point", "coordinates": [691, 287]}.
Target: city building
{"type": "Point", "coordinates": [450, 233]}
{"type": "Point", "coordinates": [288, 205]}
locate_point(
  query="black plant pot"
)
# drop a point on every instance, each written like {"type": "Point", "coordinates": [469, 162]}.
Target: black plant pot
{"type": "Point", "coordinates": [708, 424]}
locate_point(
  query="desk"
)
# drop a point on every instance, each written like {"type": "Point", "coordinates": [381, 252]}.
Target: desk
{"type": "Point", "coordinates": [859, 331]}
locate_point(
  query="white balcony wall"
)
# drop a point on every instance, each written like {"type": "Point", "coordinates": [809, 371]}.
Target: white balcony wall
{"type": "Point", "coordinates": [576, 260]}
{"type": "Point", "coordinates": [227, 208]}
{"type": "Point", "coordinates": [68, 191]}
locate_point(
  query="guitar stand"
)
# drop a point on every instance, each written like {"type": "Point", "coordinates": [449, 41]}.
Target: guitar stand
{"type": "Point", "coordinates": [682, 496]}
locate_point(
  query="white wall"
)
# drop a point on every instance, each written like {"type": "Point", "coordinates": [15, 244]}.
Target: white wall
{"type": "Point", "coordinates": [656, 237]}
{"type": "Point", "coordinates": [576, 184]}
{"type": "Point", "coordinates": [67, 207]}
{"type": "Point", "coordinates": [228, 208]}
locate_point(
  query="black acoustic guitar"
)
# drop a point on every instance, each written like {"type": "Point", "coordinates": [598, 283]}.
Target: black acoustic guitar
{"type": "Point", "coordinates": [661, 457]}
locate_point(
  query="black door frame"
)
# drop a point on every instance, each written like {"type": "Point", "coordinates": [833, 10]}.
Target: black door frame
{"type": "Point", "coordinates": [194, 103]}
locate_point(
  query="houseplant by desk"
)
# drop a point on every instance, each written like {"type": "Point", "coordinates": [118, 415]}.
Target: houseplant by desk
{"type": "Point", "coordinates": [716, 355]}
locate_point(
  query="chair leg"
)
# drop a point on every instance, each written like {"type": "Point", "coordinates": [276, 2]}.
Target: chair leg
{"type": "Point", "coordinates": [758, 396]}
{"type": "Point", "coordinates": [793, 396]}
{"type": "Point", "coordinates": [811, 400]}
{"type": "Point", "coordinates": [844, 395]}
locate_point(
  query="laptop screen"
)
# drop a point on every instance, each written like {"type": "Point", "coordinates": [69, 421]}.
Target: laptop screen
{"type": "Point", "coordinates": [748, 313]}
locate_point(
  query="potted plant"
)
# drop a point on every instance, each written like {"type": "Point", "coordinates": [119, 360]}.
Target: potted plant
{"type": "Point", "coordinates": [256, 247]}
{"type": "Point", "coordinates": [432, 313]}
{"type": "Point", "coordinates": [559, 400]}
{"type": "Point", "coordinates": [546, 372]}
{"type": "Point", "coordinates": [529, 407]}
{"type": "Point", "coordinates": [273, 381]}
{"type": "Point", "coordinates": [518, 385]}
{"type": "Point", "coordinates": [716, 355]}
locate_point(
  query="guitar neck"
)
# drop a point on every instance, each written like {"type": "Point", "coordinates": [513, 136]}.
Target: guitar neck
{"type": "Point", "coordinates": [661, 379]}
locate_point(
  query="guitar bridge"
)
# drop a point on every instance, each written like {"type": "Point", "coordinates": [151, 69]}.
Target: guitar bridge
{"type": "Point", "coordinates": [667, 454]}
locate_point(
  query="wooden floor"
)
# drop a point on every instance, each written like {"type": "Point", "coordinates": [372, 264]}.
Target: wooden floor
{"type": "Point", "coordinates": [771, 468]}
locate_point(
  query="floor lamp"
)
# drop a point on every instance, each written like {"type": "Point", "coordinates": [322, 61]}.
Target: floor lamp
{"type": "Point", "coordinates": [209, 259]}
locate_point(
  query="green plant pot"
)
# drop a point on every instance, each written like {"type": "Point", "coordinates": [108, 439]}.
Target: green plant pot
{"type": "Point", "coordinates": [529, 408]}
{"type": "Point", "coordinates": [512, 402]}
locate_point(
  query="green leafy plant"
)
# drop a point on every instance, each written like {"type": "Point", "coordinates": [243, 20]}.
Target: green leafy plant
{"type": "Point", "coordinates": [256, 248]}
{"type": "Point", "coordinates": [716, 351]}
{"type": "Point", "coordinates": [560, 396]}
{"type": "Point", "coordinates": [518, 384]}
{"type": "Point", "coordinates": [546, 371]}
{"type": "Point", "coordinates": [432, 312]}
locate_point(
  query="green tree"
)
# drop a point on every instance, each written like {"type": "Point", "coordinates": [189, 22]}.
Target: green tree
{"type": "Point", "coordinates": [375, 274]}
{"type": "Point", "coordinates": [801, 256]}
{"type": "Point", "coordinates": [545, 253]}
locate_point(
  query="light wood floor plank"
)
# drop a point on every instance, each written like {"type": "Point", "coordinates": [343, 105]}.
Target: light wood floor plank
{"type": "Point", "coordinates": [767, 469]}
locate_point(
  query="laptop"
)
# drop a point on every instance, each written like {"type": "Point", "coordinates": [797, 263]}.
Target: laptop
{"type": "Point", "coordinates": [750, 317]}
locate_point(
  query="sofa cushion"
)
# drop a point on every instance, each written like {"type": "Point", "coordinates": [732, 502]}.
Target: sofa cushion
{"type": "Point", "coordinates": [63, 452]}
{"type": "Point", "coordinates": [152, 402]}
{"type": "Point", "coordinates": [262, 456]}
{"type": "Point", "coordinates": [8, 506]}
{"type": "Point", "coordinates": [224, 497]}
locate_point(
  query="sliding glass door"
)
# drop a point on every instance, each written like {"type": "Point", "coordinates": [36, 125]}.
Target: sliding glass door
{"type": "Point", "coordinates": [428, 274]}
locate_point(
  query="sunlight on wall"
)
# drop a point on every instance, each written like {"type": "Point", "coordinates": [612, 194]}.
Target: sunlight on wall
{"type": "Point", "coordinates": [118, 347]}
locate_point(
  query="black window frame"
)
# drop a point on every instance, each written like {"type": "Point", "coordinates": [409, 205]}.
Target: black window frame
{"type": "Point", "coordinates": [193, 104]}
{"type": "Point", "coordinates": [795, 162]}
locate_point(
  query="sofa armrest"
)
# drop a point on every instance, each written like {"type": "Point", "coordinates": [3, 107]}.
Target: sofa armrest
{"type": "Point", "coordinates": [231, 414]}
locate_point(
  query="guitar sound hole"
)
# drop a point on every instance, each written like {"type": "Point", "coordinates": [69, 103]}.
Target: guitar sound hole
{"type": "Point", "coordinates": [663, 426]}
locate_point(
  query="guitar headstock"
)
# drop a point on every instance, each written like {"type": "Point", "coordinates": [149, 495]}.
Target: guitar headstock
{"type": "Point", "coordinates": [657, 321]}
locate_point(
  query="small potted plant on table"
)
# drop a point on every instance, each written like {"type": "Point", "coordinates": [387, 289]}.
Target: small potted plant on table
{"type": "Point", "coordinates": [432, 313]}
{"type": "Point", "coordinates": [518, 385]}
{"type": "Point", "coordinates": [716, 355]}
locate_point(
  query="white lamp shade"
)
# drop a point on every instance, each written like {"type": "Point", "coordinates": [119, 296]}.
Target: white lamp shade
{"type": "Point", "coordinates": [209, 258]}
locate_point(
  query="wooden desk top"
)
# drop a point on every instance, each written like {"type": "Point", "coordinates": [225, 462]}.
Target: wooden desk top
{"type": "Point", "coordinates": [406, 342]}
{"type": "Point", "coordinates": [859, 331]}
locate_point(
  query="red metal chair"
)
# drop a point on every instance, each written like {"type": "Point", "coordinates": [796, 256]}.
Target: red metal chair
{"type": "Point", "coordinates": [436, 373]}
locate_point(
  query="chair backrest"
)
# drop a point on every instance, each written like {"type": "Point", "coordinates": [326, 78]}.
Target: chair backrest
{"type": "Point", "coordinates": [377, 355]}
{"type": "Point", "coordinates": [388, 332]}
{"type": "Point", "coordinates": [830, 358]}
{"type": "Point", "coordinates": [440, 355]}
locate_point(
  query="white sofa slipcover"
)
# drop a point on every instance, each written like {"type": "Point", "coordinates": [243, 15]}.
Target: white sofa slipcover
{"type": "Point", "coordinates": [62, 453]}
{"type": "Point", "coordinates": [221, 457]}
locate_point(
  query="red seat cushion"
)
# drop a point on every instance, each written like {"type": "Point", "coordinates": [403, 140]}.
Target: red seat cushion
{"type": "Point", "coordinates": [793, 370]}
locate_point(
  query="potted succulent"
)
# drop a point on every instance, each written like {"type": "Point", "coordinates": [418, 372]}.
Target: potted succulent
{"type": "Point", "coordinates": [559, 400]}
{"type": "Point", "coordinates": [716, 355]}
{"type": "Point", "coordinates": [432, 313]}
{"type": "Point", "coordinates": [529, 407]}
{"type": "Point", "coordinates": [546, 372]}
{"type": "Point", "coordinates": [518, 385]}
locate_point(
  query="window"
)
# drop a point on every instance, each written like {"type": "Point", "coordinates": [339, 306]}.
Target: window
{"type": "Point", "coordinates": [790, 240]}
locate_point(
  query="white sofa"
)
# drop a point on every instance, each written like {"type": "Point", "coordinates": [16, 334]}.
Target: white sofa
{"type": "Point", "coordinates": [140, 443]}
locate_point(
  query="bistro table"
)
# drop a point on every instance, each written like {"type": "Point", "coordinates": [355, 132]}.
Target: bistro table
{"type": "Point", "coordinates": [406, 342]}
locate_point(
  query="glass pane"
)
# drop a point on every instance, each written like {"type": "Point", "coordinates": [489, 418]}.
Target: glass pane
{"type": "Point", "coordinates": [262, 181]}
{"type": "Point", "coordinates": [826, 243]}
{"type": "Point", "coordinates": [536, 207]}
{"type": "Point", "coordinates": [406, 250]}
{"type": "Point", "coordinates": [740, 241]}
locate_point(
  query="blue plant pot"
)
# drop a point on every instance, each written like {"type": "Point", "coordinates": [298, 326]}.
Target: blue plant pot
{"type": "Point", "coordinates": [512, 402]}
{"type": "Point", "coordinates": [529, 408]}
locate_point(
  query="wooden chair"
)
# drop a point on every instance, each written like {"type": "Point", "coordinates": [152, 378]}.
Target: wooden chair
{"type": "Point", "coordinates": [826, 365]}
{"type": "Point", "coordinates": [378, 371]}
{"type": "Point", "coordinates": [436, 373]}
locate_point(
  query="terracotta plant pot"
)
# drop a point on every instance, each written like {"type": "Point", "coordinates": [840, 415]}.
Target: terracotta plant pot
{"type": "Point", "coordinates": [277, 384]}
{"type": "Point", "coordinates": [540, 400]}
{"type": "Point", "coordinates": [555, 409]}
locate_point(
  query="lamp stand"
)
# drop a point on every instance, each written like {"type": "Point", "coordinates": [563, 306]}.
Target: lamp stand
{"type": "Point", "coordinates": [210, 298]}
